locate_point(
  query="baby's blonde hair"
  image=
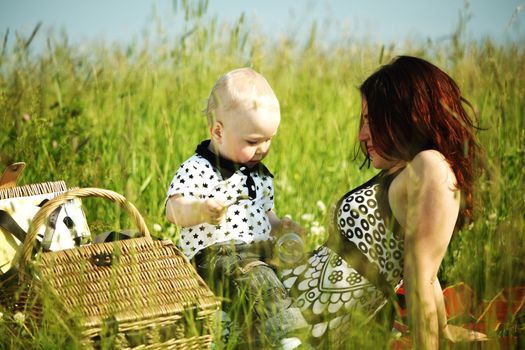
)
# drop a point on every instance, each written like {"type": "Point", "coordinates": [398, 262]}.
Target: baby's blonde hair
{"type": "Point", "coordinates": [240, 87]}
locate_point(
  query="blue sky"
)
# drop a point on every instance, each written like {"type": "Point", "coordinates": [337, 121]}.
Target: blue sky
{"type": "Point", "coordinates": [382, 21]}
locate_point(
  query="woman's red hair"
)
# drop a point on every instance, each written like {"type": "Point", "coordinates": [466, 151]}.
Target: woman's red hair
{"type": "Point", "coordinates": [415, 106]}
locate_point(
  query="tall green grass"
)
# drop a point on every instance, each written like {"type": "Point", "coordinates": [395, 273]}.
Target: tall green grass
{"type": "Point", "coordinates": [124, 117]}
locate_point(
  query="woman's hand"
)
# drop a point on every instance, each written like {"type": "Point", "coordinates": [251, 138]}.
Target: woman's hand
{"type": "Point", "coordinates": [456, 334]}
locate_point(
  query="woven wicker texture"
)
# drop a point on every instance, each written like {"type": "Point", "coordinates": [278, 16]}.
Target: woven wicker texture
{"type": "Point", "coordinates": [32, 189]}
{"type": "Point", "coordinates": [136, 284]}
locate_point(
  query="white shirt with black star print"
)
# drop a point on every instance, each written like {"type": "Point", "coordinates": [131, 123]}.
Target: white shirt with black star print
{"type": "Point", "coordinates": [245, 220]}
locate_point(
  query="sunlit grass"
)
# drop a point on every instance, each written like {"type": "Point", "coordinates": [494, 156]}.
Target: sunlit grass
{"type": "Point", "coordinates": [125, 117]}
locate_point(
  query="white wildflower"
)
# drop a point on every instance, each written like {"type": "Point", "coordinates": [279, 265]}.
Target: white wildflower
{"type": "Point", "coordinates": [171, 230]}
{"type": "Point", "coordinates": [315, 223]}
{"type": "Point", "coordinates": [1, 315]}
{"type": "Point", "coordinates": [307, 217]}
{"type": "Point", "coordinates": [19, 317]}
{"type": "Point", "coordinates": [157, 227]}
{"type": "Point", "coordinates": [321, 206]}
{"type": "Point", "coordinates": [315, 230]}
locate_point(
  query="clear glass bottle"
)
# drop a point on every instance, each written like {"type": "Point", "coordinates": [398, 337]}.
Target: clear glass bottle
{"type": "Point", "coordinates": [290, 248]}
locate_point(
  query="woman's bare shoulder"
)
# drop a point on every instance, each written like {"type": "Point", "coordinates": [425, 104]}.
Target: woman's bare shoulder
{"type": "Point", "coordinates": [429, 157]}
{"type": "Point", "coordinates": [432, 166]}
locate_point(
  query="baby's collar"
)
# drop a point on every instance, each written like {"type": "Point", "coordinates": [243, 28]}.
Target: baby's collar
{"type": "Point", "coordinates": [225, 166]}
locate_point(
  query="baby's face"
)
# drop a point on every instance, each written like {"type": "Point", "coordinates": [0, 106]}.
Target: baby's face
{"type": "Point", "coordinates": [247, 133]}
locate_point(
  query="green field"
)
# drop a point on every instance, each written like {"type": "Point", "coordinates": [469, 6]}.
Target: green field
{"type": "Point", "coordinates": [124, 117]}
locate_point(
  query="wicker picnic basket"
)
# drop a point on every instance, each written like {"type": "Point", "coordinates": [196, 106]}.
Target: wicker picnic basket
{"type": "Point", "coordinates": [139, 292]}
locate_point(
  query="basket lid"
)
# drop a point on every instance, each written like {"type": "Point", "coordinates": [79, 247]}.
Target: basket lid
{"type": "Point", "coordinates": [141, 279]}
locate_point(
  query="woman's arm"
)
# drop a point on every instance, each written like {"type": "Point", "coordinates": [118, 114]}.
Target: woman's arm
{"type": "Point", "coordinates": [451, 332]}
{"type": "Point", "coordinates": [440, 306]}
{"type": "Point", "coordinates": [431, 211]}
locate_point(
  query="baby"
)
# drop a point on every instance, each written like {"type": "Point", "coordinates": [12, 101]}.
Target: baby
{"type": "Point", "coordinates": [222, 198]}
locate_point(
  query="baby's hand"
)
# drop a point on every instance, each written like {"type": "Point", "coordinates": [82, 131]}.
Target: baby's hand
{"type": "Point", "coordinates": [212, 211]}
{"type": "Point", "coordinates": [230, 191]}
{"type": "Point", "coordinates": [288, 225]}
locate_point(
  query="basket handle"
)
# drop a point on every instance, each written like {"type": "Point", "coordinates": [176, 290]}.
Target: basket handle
{"type": "Point", "coordinates": [42, 215]}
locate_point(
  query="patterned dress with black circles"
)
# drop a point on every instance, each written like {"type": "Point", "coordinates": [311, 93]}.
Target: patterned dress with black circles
{"type": "Point", "coordinates": [327, 289]}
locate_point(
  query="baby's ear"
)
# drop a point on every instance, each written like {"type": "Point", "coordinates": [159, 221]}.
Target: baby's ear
{"type": "Point", "coordinates": [216, 131]}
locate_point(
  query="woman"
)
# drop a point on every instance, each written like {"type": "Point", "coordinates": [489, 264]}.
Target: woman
{"type": "Point", "coordinates": [397, 226]}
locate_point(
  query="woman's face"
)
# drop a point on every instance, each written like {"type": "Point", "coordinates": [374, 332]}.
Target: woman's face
{"type": "Point", "coordinates": [378, 161]}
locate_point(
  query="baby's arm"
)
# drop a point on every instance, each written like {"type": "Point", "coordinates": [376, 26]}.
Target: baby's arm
{"type": "Point", "coordinates": [284, 225]}
{"type": "Point", "coordinates": [190, 211]}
